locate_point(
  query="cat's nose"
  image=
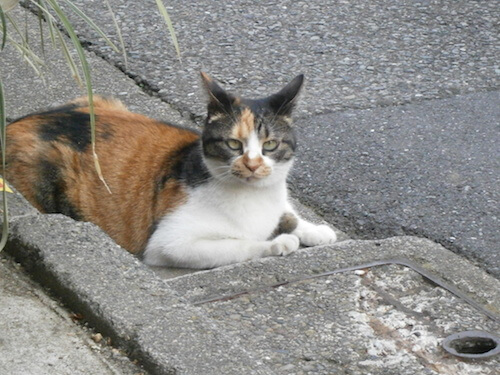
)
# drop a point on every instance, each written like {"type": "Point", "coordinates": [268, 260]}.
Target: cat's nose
{"type": "Point", "coordinates": [252, 164]}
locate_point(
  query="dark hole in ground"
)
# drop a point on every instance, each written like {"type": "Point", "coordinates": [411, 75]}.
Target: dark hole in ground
{"type": "Point", "coordinates": [473, 345]}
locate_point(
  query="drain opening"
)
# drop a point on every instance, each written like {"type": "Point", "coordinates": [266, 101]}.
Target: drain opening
{"type": "Point", "coordinates": [472, 344]}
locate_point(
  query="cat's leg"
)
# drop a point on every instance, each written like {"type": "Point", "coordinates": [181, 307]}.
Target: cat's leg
{"type": "Point", "coordinates": [210, 253]}
{"type": "Point", "coordinates": [308, 233]}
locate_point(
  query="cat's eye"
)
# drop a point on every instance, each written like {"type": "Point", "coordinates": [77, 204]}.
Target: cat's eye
{"type": "Point", "coordinates": [270, 145]}
{"type": "Point", "coordinates": [234, 144]}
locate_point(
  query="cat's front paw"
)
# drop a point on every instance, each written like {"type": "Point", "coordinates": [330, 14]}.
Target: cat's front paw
{"type": "Point", "coordinates": [316, 235]}
{"type": "Point", "coordinates": [284, 244]}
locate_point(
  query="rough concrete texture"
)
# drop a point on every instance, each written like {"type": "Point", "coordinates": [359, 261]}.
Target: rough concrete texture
{"type": "Point", "coordinates": [122, 298]}
{"type": "Point", "coordinates": [385, 320]}
{"type": "Point", "coordinates": [161, 323]}
{"type": "Point", "coordinates": [38, 337]}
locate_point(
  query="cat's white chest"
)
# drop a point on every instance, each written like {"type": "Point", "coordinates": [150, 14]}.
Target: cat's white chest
{"type": "Point", "coordinates": [235, 213]}
{"type": "Point", "coordinates": [217, 225]}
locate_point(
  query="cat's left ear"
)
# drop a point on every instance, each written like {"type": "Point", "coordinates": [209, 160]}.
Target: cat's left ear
{"type": "Point", "coordinates": [218, 99]}
{"type": "Point", "coordinates": [283, 102]}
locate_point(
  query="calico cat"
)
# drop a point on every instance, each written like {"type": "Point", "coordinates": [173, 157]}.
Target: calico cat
{"type": "Point", "coordinates": [178, 198]}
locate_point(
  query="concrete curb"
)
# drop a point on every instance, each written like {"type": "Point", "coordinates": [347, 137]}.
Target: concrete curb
{"type": "Point", "coordinates": [156, 321]}
{"type": "Point", "coordinates": [120, 297]}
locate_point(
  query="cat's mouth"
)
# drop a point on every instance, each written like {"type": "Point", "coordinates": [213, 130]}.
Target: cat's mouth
{"type": "Point", "coordinates": [248, 178]}
{"type": "Point", "coordinates": [252, 178]}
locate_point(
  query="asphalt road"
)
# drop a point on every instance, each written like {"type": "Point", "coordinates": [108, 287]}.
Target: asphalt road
{"type": "Point", "coordinates": [354, 53]}
{"type": "Point", "coordinates": [430, 169]}
{"type": "Point", "coordinates": [370, 163]}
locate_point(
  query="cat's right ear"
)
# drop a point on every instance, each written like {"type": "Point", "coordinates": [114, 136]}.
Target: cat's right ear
{"type": "Point", "coordinates": [283, 102]}
{"type": "Point", "coordinates": [218, 99]}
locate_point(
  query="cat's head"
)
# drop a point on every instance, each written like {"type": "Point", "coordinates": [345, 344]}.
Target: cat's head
{"type": "Point", "coordinates": [249, 141]}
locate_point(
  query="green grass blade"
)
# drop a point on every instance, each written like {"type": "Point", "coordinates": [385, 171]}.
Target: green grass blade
{"type": "Point", "coordinates": [26, 51]}
{"type": "Point", "coordinates": [49, 19]}
{"type": "Point", "coordinates": [119, 33]}
{"type": "Point", "coordinates": [18, 30]}
{"type": "Point", "coordinates": [26, 35]}
{"type": "Point", "coordinates": [4, 28]}
{"type": "Point", "coordinates": [81, 55]}
{"type": "Point", "coordinates": [40, 27]}
{"type": "Point", "coordinates": [5, 213]}
{"type": "Point", "coordinates": [91, 23]}
{"type": "Point", "coordinates": [69, 59]}
{"type": "Point", "coordinates": [33, 60]}
{"type": "Point", "coordinates": [88, 83]}
{"type": "Point", "coordinates": [30, 62]}
{"type": "Point", "coordinates": [166, 17]}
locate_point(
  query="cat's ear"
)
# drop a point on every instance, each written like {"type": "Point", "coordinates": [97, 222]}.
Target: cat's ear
{"type": "Point", "coordinates": [283, 102]}
{"type": "Point", "coordinates": [218, 99]}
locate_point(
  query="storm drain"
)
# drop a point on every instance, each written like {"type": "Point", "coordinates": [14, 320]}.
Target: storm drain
{"type": "Point", "coordinates": [472, 344]}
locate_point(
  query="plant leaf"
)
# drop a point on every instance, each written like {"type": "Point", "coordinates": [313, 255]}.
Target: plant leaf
{"type": "Point", "coordinates": [33, 60]}
{"type": "Point", "coordinates": [18, 30]}
{"type": "Point", "coordinates": [5, 213]}
{"type": "Point", "coordinates": [119, 32]}
{"type": "Point", "coordinates": [86, 73]}
{"type": "Point", "coordinates": [4, 28]}
{"type": "Point", "coordinates": [166, 17]}
{"type": "Point", "coordinates": [91, 23]}
{"type": "Point", "coordinates": [69, 58]}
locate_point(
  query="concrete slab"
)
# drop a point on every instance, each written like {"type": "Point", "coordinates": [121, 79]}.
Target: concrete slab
{"type": "Point", "coordinates": [384, 320]}
{"type": "Point", "coordinates": [38, 336]}
{"type": "Point", "coordinates": [122, 298]}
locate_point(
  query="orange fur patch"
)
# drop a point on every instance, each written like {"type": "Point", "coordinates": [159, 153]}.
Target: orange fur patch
{"type": "Point", "coordinates": [245, 125]}
{"type": "Point", "coordinates": [134, 157]}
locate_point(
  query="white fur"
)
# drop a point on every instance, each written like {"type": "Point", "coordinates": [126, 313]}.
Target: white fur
{"type": "Point", "coordinates": [229, 220]}
{"type": "Point", "coordinates": [253, 147]}
{"type": "Point", "coordinates": [314, 235]}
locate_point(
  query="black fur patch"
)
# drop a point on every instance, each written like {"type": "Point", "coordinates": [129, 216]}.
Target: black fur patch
{"type": "Point", "coordinates": [51, 194]}
{"type": "Point", "coordinates": [188, 168]}
{"type": "Point", "coordinates": [71, 128]}
{"type": "Point", "coordinates": [191, 168]}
